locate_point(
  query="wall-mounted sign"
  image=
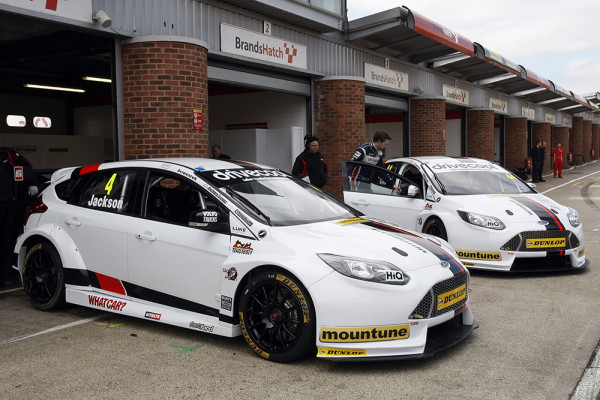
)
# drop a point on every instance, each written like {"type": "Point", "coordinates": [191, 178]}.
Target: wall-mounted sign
{"type": "Point", "coordinates": [262, 47]}
{"type": "Point", "coordinates": [498, 105]}
{"type": "Point", "coordinates": [387, 78]}
{"type": "Point", "coordinates": [197, 119]}
{"type": "Point", "coordinates": [550, 118]}
{"type": "Point", "coordinates": [79, 10]}
{"type": "Point", "coordinates": [455, 95]}
{"type": "Point", "coordinates": [567, 121]}
{"type": "Point", "coordinates": [527, 112]}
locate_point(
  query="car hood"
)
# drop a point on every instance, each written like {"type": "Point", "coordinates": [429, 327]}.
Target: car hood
{"type": "Point", "coordinates": [516, 208]}
{"type": "Point", "coordinates": [371, 239]}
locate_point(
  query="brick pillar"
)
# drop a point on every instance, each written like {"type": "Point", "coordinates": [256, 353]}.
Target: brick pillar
{"type": "Point", "coordinates": [427, 124]}
{"type": "Point", "coordinates": [340, 124]}
{"type": "Point", "coordinates": [541, 131]}
{"type": "Point", "coordinates": [576, 138]}
{"type": "Point", "coordinates": [480, 134]}
{"type": "Point", "coordinates": [516, 149]}
{"type": "Point", "coordinates": [586, 141]}
{"type": "Point", "coordinates": [560, 134]}
{"type": "Point", "coordinates": [163, 82]}
{"type": "Point", "coordinates": [596, 140]}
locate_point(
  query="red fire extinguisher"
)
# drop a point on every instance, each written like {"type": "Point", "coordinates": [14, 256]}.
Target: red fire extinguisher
{"type": "Point", "coordinates": [592, 152]}
{"type": "Point", "coordinates": [570, 158]}
{"type": "Point", "coordinates": [528, 163]}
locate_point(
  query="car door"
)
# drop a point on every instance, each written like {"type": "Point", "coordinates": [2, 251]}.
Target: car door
{"type": "Point", "coordinates": [96, 219]}
{"type": "Point", "coordinates": [376, 199]}
{"type": "Point", "coordinates": [168, 260]}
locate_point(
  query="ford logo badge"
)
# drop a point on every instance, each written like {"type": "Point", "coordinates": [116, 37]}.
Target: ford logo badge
{"type": "Point", "coordinates": [543, 222]}
{"type": "Point", "coordinates": [445, 264]}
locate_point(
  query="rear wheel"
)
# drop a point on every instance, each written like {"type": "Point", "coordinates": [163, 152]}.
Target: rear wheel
{"type": "Point", "coordinates": [277, 317]}
{"type": "Point", "coordinates": [435, 227]}
{"type": "Point", "coordinates": [43, 277]}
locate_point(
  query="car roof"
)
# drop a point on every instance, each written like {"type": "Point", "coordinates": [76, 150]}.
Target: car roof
{"type": "Point", "coordinates": [441, 160]}
{"type": "Point", "coordinates": [200, 164]}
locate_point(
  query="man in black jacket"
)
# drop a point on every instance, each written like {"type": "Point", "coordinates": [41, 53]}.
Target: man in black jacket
{"type": "Point", "coordinates": [537, 159]}
{"type": "Point", "coordinates": [310, 165]}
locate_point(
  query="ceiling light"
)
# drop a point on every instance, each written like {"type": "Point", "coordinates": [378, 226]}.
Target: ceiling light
{"type": "Point", "coordinates": [97, 79]}
{"type": "Point", "coordinates": [64, 89]}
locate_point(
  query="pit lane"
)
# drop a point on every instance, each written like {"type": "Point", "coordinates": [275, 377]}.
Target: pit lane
{"type": "Point", "coordinates": [537, 339]}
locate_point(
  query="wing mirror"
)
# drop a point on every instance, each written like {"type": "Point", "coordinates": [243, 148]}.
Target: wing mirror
{"type": "Point", "coordinates": [413, 191]}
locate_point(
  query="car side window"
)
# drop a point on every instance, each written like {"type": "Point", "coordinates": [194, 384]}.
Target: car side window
{"type": "Point", "coordinates": [110, 191]}
{"type": "Point", "coordinates": [171, 199]}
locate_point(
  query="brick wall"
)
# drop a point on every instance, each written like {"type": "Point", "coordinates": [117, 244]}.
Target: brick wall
{"type": "Point", "coordinates": [340, 125]}
{"type": "Point", "coordinates": [480, 134]}
{"type": "Point", "coordinates": [576, 137]}
{"type": "Point", "coordinates": [560, 134]}
{"type": "Point", "coordinates": [586, 140]}
{"type": "Point", "coordinates": [542, 131]}
{"type": "Point", "coordinates": [596, 140]}
{"type": "Point", "coordinates": [427, 123]}
{"type": "Point", "coordinates": [163, 82]}
{"type": "Point", "coordinates": [515, 147]}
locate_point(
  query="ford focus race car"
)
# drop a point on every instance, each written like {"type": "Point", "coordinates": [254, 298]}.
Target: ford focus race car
{"type": "Point", "coordinates": [492, 218]}
{"type": "Point", "coordinates": [230, 248]}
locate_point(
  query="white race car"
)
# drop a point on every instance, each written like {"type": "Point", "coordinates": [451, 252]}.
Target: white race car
{"type": "Point", "coordinates": [492, 218]}
{"type": "Point", "coordinates": [231, 248]}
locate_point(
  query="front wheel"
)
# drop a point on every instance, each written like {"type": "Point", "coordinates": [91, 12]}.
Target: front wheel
{"type": "Point", "coordinates": [277, 317]}
{"type": "Point", "coordinates": [43, 277]}
{"type": "Point", "coordinates": [435, 227]}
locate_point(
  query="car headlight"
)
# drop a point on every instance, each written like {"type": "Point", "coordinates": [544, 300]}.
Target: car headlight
{"type": "Point", "coordinates": [484, 221]}
{"type": "Point", "coordinates": [366, 270]}
{"type": "Point", "coordinates": [573, 216]}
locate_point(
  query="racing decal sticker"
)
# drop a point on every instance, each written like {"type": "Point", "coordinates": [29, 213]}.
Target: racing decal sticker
{"type": "Point", "coordinates": [466, 165]}
{"type": "Point", "coordinates": [455, 266]}
{"type": "Point", "coordinates": [231, 273]}
{"type": "Point", "coordinates": [105, 202]}
{"type": "Point", "coordinates": [201, 327]}
{"type": "Point", "coordinates": [542, 212]}
{"type": "Point", "coordinates": [88, 169]}
{"type": "Point", "coordinates": [479, 255]}
{"type": "Point", "coordinates": [581, 252]}
{"type": "Point", "coordinates": [242, 248]}
{"type": "Point", "coordinates": [152, 315]}
{"type": "Point", "coordinates": [451, 297]}
{"type": "Point", "coordinates": [364, 334]}
{"type": "Point", "coordinates": [349, 221]}
{"type": "Point", "coordinates": [110, 284]}
{"type": "Point", "coordinates": [327, 352]}
{"type": "Point", "coordinates": [241, 216]}
{"type": "Point", "coordinates": [107, 303]}
{"type": "Point", "coordinates": [226, 303]}
{"type": "Point", "coordinates": [544, 243]}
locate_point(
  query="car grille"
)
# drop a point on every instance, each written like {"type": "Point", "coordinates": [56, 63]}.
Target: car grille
{"type": "Point", "coordinates": [427, 307]}
{"type": "Point", "coordinates": [517, 243]}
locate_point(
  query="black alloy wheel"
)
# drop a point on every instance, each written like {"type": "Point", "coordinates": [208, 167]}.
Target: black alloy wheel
{"type": "Point", "coordinates": [43, 277]}
{"type": "Point", "coordinates": [435, 227]}
{"type": "Point", "coordinates": [277, 317]}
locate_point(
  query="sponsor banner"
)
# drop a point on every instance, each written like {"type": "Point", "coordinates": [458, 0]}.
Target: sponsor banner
{"type": "Point", "coordinates": [498, 105]}
{"type": "Point", "coordinates": [479, 255]}
{"type": "Point", "coordinates": [544, 243]}
{"type": "Point", "coordinates": [364, 333]}
{"type": "Point", "coordinates": [79, 10]}
{"type": "Point", "coordinates": [387, 78]}
{"type": "Point", "coordinates": [550, 118]}
{"type": "Point", "coordinates": [462, 166]}
{"type": "Point", "coordinates": [567, 121]}
{"type": "Point", "coordinates": [262, 47]}
{"type": "Point", "coordinates": [452, 297]}
{"type": "Point", "coordinates": [328, 352]}
{"type": "Point", "coordinates": [350, 221]}
{"type": "Point", "coordinates": [455, 95]}
{"type": "Point", "coordinates": [527, 112]}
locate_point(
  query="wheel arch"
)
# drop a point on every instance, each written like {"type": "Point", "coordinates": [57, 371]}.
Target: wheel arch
{"type": "Point", "coordinates": [439, 218]}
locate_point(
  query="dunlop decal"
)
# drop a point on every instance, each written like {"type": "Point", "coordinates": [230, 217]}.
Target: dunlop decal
{"type": "Point", "coordinates": [328, 352]}
{"type": "Point", "coordinates": [445, 300]}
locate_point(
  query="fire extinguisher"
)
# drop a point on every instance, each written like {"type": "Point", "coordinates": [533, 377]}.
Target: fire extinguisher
{"type": "Point", "coordinates": [570, 158]}
{"type": "Point", "coordinates": [528, 163]}
{"type": "Point", "coordinates": [592, 152]}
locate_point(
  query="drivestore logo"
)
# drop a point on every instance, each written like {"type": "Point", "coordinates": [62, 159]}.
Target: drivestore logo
{"type": "Point", "coordinates": [289, 50]}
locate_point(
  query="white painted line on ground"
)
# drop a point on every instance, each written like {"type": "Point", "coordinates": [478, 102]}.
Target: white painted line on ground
{"type": "Point", "coordinates": [588, 387]}
{"type": "Point", "coordinates": [567, 183]}
{"type": "Point", "coordinates": [11, 290]}
{"type": "Point", "coordinates": [56, 328]}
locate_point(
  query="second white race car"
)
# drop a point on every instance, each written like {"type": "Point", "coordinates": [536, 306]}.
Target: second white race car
{"type": "Point", "coordinates": [493, 219]}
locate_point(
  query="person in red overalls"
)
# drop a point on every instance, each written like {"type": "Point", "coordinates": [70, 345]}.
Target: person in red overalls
{"type": "Point", "coordinates": [557, 155]}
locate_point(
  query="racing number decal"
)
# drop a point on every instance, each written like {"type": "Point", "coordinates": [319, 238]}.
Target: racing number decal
{"type": "Point", "coordinates": [110, 183]}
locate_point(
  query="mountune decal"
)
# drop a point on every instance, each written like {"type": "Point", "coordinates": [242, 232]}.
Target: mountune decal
{"type": "Point", "coordinates": [479, 255]}
{"type": "Point", "coordinates": [364, 334]}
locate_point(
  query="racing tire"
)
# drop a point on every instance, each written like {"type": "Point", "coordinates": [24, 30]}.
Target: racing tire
{"type": "Point", "coordinates": [435, 227]}
{"type": "Point", "coordinates": [44, 277]}
{"type": "Point", "coordinates": [277, 317]}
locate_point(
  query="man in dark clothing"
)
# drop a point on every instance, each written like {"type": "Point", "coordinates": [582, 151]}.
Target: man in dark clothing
{"type": "Point", "coordinates": [7, 213]}
{"type": "Point", "coordinates": [216, 151]}
{"type": "Point", "coordinates": [537, 158]}
{"type": "Point", "coordinates": [310, 165]}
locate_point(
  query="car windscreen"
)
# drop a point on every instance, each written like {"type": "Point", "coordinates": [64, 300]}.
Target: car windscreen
{"type": "Point", "coordinates": [280, 199]}
{"type": "Point", "coordinates": [481, 182]}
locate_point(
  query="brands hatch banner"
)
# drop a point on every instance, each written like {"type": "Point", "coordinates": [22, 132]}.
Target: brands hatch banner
{"type": "Point", "coordinates": [262, 47]}
{"type": "Point", "coordinates": [385, 77]}
{"type": "Point", "coordinates": [79, 10]}
{"type": "Point", "coordinates": [455, 94]}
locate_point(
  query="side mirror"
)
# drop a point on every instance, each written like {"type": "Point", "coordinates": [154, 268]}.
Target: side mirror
{"type": "Point", "coordinates": [430, 195]}
{"type": "Point", "coordinates": [532, 185]}
{"type": "Point", "coordinates": [210, 220]}
{"type": "Point", "coordinates": [413, 191]}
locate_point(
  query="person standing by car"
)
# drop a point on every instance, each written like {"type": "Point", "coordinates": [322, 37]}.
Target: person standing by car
{"type": "Point", "coordinates": [557, 159]}
{"type": "Point", "coordinates": [216, 151]}
{"type": "Point", "coordinates": [537, 155]}
{"type": "Point", "coordinates": [310, 165]}
{"type": "Point", "coordinates": [7, 212]}
{"type": "Point", "coordinates": [372, 153]}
